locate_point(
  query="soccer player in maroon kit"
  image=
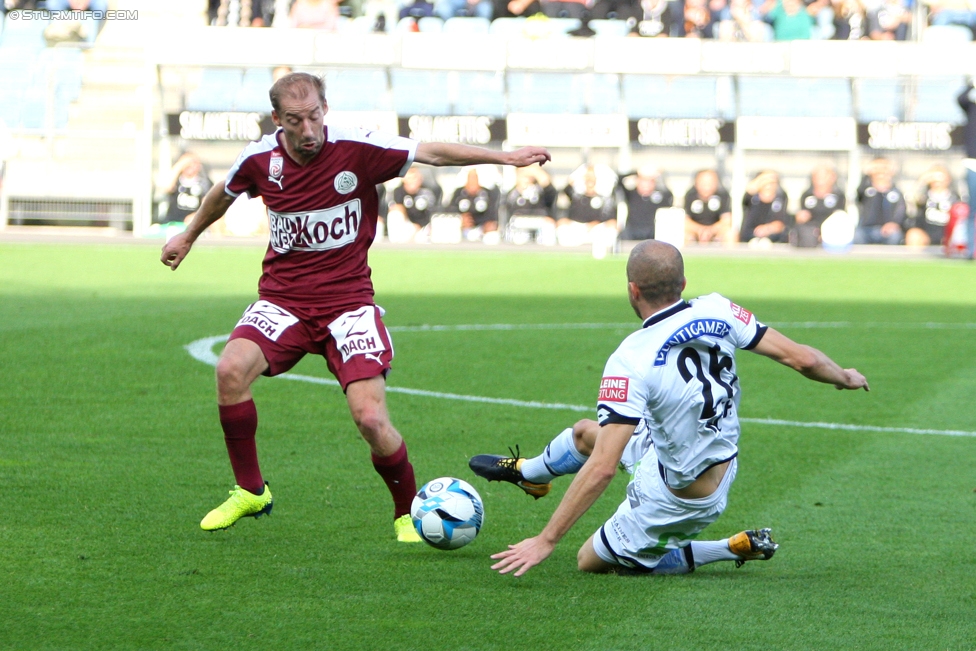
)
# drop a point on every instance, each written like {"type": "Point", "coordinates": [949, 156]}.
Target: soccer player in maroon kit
{"type": "Point", "coordinates": [315, 293]}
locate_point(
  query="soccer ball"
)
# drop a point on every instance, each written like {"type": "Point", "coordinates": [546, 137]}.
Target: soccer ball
{"type": "Point", "coordinates": [447, 513]}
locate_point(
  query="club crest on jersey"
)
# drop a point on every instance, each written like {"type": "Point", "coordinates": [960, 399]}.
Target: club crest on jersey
{"type": "Point", "coordinates": [740, 313]}
{"type": "Point", "coordinates": [345, 182]}
{"type": "Point", "coordinates": [692, 330]}
{"type": "Point", "coordinates": [614, 389]}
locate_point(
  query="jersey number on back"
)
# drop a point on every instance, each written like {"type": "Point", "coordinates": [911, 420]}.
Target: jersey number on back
{"type": "Point", "coordinates": [715, 407]}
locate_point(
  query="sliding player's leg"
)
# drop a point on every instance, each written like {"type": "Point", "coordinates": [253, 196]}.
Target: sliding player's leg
{"type": "Point", "coordinates": [564, 455]}
{"type": "Point", "coordinates": [653, 531]}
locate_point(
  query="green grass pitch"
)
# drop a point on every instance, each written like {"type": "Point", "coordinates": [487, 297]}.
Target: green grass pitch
{"type": "Point", "coordinates": [110, 453]}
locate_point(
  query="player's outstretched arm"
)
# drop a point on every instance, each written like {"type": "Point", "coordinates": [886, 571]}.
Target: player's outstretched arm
{"type": "Point", "coordinates": [587, 486]}
{"type": "Point", "coordinates": [441, 153]}
{"type": "Point", "coordinates": [213, 207]}
{"type": "Point", "coordinates": [808, 361]}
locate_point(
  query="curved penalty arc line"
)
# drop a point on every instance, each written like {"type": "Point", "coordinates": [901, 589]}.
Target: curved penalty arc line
{"type": "Point", "coordinates": [202, 351]}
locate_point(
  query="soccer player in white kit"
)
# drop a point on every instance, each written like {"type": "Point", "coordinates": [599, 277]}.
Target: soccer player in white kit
{"type": "Point", "coordinates": [668, 413]}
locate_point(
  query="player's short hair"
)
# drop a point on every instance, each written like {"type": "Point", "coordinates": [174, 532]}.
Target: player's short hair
{"type": "Point", "coordinates": [291, 85]}
{"type": "Point", "coordinates": [658, 270]}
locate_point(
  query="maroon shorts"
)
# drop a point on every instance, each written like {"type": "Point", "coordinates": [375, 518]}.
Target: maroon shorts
{"type": "Point", "coordinates": [354, 342]}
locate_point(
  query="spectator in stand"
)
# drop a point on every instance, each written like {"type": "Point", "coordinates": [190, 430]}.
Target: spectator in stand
{"type": "Point", "coordinates": [478, 207]}
{"type": "Point", "coordinates": [953, 12]}
{"type": "Point", "coordinates": [590, 201]}
{"type": "Point", "coordinates": [933, 201]}
{"type": "Point", "coordinates": [850, 20]}
{"type": "Point", "coordinates": [565, 8]}
{"type": "Point", "coordinates": [649, 18]}
{"type": "Point", "coordinates": [764, 218]}
{"type": "Point", "coordinates": [453, 8]}
{"type": "Point", "coordinates": [699, 21]}
{"type": "Point", "coordinates": [516, 8]}
{"type": "Point", "coordinates": [744, 23]}
{"type": "Point", "coordinates": [645, 193]}
{"type": "Point", "coordinates": [416, 10]}
{"type": "Point", "coordinates": [531, 206]}
{"type": "Point", "coordinates": [882, 206]}
{"type": "Point", "coordinates": [185, 186]}
{"type": "Point", "coordinates": [315, 14]}
{"type": "Point", "coordinates": [242, 13]}
{"type": "Point", "coordinates": [791, 19]}
{"type": "Point", "coordinates": [967, 102]}
{"type": "Point", "coordinates": [708, 210]}
{"type": "Point", "coordinates": [821, 200]}
{"type": "Point", "coordinates": [888, 21]}
{"type": "Point", "coordinates": [416, 200]}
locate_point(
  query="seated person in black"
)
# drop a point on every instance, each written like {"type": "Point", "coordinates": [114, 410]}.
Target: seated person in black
{"type": "Point", "coordinates": [821, 200]}
{"type": "Point", "coordinates": [415, 199]}
{"type": "Point", "coordinates": [185, 187]}
{"type": "Point", "coordinates": [708, 210]}
{"type": "Point", "coordinates": [533, 194]}
{"type": "Point", "coordinates": [933, 202]}
{"type": "Point", "coordinates": [882, 206]}
{"type": "Point", "coordinates": [643, 200]}
{"type": "Point", "coordinates": [587, 205]}
{"type": "Point", "coordinates": [764, 216]}
{"type": "Point", "coordinates": [531, 206]}
{"type": "Point", "coordinates": [478, 207]}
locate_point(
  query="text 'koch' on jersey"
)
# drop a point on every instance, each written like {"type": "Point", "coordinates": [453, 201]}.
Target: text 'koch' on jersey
{"type": "Point", "coordinates": [318, 230]}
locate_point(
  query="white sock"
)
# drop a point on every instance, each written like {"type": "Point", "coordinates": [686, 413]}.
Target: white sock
{"type": "Point", "coordinates": [709, 551]}
{"type": "Point", "coordinates": [559, 458]}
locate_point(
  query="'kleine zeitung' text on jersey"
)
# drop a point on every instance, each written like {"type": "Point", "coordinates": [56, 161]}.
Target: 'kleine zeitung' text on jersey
{"type": "Point", "coordinates": [322, 215]}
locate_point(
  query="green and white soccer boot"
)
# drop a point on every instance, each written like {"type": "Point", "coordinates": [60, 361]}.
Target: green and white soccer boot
{"type": "Point", "coordinates": [241, 503]}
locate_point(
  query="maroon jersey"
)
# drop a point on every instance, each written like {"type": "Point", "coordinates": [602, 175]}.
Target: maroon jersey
{"type": "Point", "coordinates": [322, 214]}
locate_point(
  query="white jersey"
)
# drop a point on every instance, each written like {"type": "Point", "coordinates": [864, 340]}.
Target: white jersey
{"type": "Point", "coordinates": [676, 378]}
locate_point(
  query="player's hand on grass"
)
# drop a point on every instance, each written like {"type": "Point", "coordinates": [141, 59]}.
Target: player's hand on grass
{"type": "Point", "coordinates": [529, 156]}
{"type": "Point", "coordinates": [175, 250]}
{"type": "Point", "coordinates": [854, 381]}
{"type": "Point", "coordinates": [521, 557]}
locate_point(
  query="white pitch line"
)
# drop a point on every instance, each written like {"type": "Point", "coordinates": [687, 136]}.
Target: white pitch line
{"type": "Point", "coordinates": [202, 350]}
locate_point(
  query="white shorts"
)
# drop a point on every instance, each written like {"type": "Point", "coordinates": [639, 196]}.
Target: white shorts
{"type": "Point", "coordinates": [652, 520]}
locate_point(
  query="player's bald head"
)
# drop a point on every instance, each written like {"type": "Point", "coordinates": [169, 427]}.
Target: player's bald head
{"type": "Point", "coordinates": [658, 271]}
{"type": "Point", "coordinates": [296, 85]}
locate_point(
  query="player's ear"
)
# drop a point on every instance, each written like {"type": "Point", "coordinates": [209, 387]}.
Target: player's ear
{"type": "Point", "coordinates": [274, 118]}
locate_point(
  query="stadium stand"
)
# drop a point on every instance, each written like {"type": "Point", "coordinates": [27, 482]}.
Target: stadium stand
{"type": "Point", "coordinates": [424, 92]}
{"type": "Point", "coordinates": [57, 100]}
{"type": "Point", "coordinates": [879, 99]}
{"type": "Point", "coordinates": [480, 93]}
{"type": "Point", "coordinates": [545, 92]}
{"type": "Point", "coordinates": [935, 100]}
{"type": "Point", "coordinates": [673, 97]}
{"type": "Point", "coordinates": [467, 25]}
{"type": "Point", "coordinates": [796, 97]}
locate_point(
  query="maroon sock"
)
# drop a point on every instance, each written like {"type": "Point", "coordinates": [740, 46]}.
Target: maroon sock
{"type": "Point", "coordinates": [397, 472]}
{"type": "Point", "coordinates": [240, 423]}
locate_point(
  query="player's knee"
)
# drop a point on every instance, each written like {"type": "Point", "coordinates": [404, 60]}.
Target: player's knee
{"type": "Point", "coordinates": [231, 375]}
{"type": "Point", "coordinates": [584, 435]}
{"type": "Point", "coordinates": [370, 419]}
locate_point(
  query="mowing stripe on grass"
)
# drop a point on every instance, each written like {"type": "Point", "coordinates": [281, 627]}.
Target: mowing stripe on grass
{"type": "Point", "coordinates": [202, 350]}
